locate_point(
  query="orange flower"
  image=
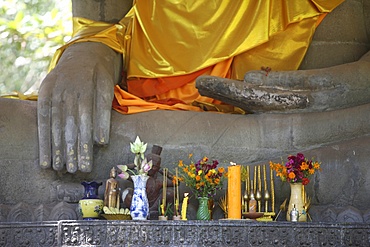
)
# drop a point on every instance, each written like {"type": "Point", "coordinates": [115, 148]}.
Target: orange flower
{"type": "Point", "coordinates": [221, 170]}
{"type": "Point", "coordinates": [316, 166]}
{"type": "Point", "coordinates": [311, 171]}
{"type": "Point", "coordinates": [291, 175]}
{"type": "Point", "coordinates": [180, 163]}
{"type": "Point", "coordinates": [304, 166]}
{"type": "Point", "coordinates": [197, 178]}
{"type": "Point", "coordinates": [271, 164]}
{"type": "Point", "coordinates": [284, 171]}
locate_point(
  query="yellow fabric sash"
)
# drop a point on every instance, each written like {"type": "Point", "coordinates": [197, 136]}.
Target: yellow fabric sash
{"type": "Point", "coordinates": [172, 38]}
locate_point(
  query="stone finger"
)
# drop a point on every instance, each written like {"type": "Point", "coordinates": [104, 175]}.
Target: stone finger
{"type": "Point", "coordinates": [103, 108]}
{"type": "Point", "coordinates": [57, 135]}
{"type": "Point", "coordinates": [85, 145]}
{"type": "Point", "coordinates": [44, 121]}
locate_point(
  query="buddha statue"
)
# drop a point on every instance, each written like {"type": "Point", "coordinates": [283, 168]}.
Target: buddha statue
{"type": "Point", "coordinates": [75, 99]}
{"type": "Point", "coordinates": [112, 193]}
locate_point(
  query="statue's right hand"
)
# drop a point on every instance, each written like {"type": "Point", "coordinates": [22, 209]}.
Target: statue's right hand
{"type": "Point", "coordinates": [74, 106]}
{"type": "Point", "coordinates": [314, 90]}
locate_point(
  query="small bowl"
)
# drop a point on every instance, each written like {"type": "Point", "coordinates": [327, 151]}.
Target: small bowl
{"type": "Point", "coordinates": [116, 216]}
{"type": "Point", "coordinates": [253, 216]}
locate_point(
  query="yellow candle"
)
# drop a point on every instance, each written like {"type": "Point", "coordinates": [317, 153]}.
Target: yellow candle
{"type": "Point", "coordinates": [176, 191]}
{"type": "Point", "coordinates": [164, 190]}
{"type": "Point", "coordinates": [272, 191]}
{"type": "Point", "coordinates": [184, 206]}
{"type": "Point", "coordinates": [259, 179]}
{"type": "Point", "coordinates": [234, 191]}
{"type": "Point", "coordinates": [264, 178]}
{"type": "Point", "coordinates": [255, 180]}
{"type": "Point", "coordinates": [248, 181]}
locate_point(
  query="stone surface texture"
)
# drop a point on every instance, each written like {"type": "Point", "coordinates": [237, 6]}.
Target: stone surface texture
{"type": "Point", "coordinates": [183, 233]}
{"type": "Point", "coordinates": [348, 33]}
{"type": "Point", "coordinates": [101, 10]}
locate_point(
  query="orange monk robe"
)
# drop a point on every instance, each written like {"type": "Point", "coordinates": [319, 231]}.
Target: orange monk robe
{"type": "Point", "coordinates": [168, 43]}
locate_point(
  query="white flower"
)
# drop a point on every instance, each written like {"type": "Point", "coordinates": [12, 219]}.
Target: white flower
{"type": "Point", "coordinates": [138, 147]}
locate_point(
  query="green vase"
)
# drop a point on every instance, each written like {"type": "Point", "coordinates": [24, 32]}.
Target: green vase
{"type": "Point", "coordinates": [203, 211]}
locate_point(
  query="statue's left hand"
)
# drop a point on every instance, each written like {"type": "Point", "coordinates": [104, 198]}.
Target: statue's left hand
{"type": "Point", "coordinates": [74, 106]}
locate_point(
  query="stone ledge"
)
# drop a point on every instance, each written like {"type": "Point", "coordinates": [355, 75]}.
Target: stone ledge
{"type": "Point", "coordinates": [183, 233]}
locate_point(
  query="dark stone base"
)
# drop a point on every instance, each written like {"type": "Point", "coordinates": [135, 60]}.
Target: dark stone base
{"type": "Point", "coordinates": [183, 233]}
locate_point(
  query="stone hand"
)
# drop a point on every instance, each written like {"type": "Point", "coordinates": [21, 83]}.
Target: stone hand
{"type": "Point", "coordinates": [74, 106]}
{"type": "Point", "coordinates": [330, 88]}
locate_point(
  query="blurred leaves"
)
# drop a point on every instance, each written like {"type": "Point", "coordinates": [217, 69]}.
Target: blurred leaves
{"type": "Point", "coordinates": [30, 33]}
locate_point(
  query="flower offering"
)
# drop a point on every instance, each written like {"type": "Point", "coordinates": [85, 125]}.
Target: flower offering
{"type": "Point", "coordinates": [141, 165]}
{"type": "Point", "coordinates": [297, 169]}
{"type": "Point", "coordinates": [204, 178]}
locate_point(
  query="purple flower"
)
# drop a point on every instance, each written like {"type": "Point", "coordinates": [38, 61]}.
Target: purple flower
{"type": "Point", "coordinates": [300, 158]}
{"type": "Point", "coordinates": [214, 164]}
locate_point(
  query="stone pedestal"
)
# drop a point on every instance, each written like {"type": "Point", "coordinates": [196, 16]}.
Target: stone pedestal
{"type": "Point", "coordinates": [233, 233]}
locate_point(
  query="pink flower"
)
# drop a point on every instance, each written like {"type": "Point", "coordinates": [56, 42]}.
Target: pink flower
{"type": "Point", "coordinates": [146, 166]}
{"type": "Point", "coordinates": [124, 175]}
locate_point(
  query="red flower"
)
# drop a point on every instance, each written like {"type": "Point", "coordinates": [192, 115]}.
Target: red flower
{"type": "Point", "coordinates": [305, 181]}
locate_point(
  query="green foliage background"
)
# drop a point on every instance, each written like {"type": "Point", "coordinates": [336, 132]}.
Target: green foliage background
{"type": "Point", "coordinates": [30, 32]}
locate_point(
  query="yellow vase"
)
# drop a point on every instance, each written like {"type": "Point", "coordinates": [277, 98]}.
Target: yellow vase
{"type": "Point", "coordinates": [297, 200]}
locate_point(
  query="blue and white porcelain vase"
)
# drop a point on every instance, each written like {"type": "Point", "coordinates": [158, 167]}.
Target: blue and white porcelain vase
{"type": "Point", "coordinates": [139, 209]}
